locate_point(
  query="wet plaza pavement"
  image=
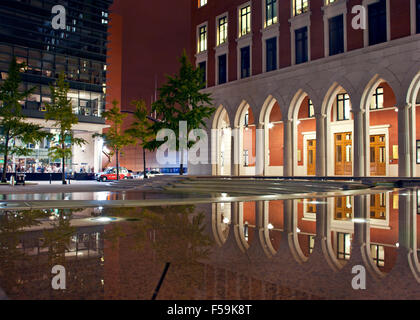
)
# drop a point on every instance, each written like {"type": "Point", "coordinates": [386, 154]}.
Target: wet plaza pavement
{"type": "Point", "coordinates": [292, 248]}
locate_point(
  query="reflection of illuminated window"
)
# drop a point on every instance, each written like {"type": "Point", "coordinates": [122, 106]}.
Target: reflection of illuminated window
{"type": "Point", "coordinates": [418, 201]}
{"type": "Point", "coordinates": [343, 208]}
{"type": "Point", "coordinates": [311, 110]}
{"type": "Point", "coordinates": [343, 246]}
{"type": "Point", "coordinates": [312, 206]}
{"type": "Point", "coordinates": [378, 255]}
{"type": "Point", "coordinates": [246, 158]}
{"type": "Point", "coordinates": [246, 231]}
{"type": "Point", "coordinates": [378, 206]}
{"type": "Point", "coordinates": [311, 244]}
{"type": "Point", "coordinates": [418, 151]}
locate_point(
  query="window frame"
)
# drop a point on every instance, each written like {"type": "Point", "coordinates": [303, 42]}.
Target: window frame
{"type": "Point", "coordinates": [240, 20]}
{"type": "Point", "coordinates": [274, 19]}
{"type": "Point", "coordinates": [376, 96]}
{"type": "Point", "coordinates": [306, 39]}
{"type": "Point", "coordinates": [304, 5]}
{"type": "Point", "coordinates": [199, 27]}
{"type": "Point", "coordinates": [226, 30]}
{"type": "Point", "coordinates": [345, 98]}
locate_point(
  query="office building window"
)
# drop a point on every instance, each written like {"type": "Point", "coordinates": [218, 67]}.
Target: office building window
{"type": "Point", "coordinates": [222, 69]}
{"type": "Point", "coordinates": [343, 246]}
{"type": "Point", "coordinates": [336, 33]}
{"type": "Point", "coordinates": [418, 15]}
{"type": "Point", "coordinates": [301, 45]}
{"type": "Point", "coordinates": [202, 3]}
{"type": "Point", "coordinates": [377, 22]}
{"type": "Point", "coordinates": [245, 62]}
{"type": "Point", "coordinates": [311, 110]}
{"type": "Point", "coordinates": [270, 12]}
{"type": "Point", "coordinates": [377, 99]}
{"type": "Point", "coordinates": [343, 107]}
{"type": "Point", "coordinates": [203, 67]}
{"type": "Point", "coordinates": [271, 54]}
{"type": "Point", "coordinates": [378, 255]}
{"type": "Point", "coordinates": [245, 21]}
{"type": "Point", "coordinates": [300, 6]}
{"type": "Point", "coordinates": [202, 39]}
{"type": "Point", "coordinates": [222, 33]}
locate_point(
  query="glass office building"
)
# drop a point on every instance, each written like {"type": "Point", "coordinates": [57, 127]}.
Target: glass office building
{"type": "Point", "coordinates": [79, 51]}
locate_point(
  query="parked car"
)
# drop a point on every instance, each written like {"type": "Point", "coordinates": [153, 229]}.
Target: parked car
{"type": "Point", "coordinates": [111, 174]}
{"type": "Point", "coordinates": [150, 174]}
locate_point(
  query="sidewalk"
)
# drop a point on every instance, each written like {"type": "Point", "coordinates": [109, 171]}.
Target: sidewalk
{"type": "Point", "coordinates": [57, 187]}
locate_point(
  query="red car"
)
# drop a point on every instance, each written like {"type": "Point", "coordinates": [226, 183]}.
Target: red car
{"type": "Point", "coordinates": [111, 174]}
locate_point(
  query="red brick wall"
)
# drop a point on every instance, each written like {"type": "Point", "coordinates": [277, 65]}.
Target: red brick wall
{"type": "Point", "coordinates": [400, 27]}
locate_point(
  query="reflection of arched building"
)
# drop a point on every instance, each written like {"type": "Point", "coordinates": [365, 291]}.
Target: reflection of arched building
{"type": "Point", "coordinates": [318, 241]}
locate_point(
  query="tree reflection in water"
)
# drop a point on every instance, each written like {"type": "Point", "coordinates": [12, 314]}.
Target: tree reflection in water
{"type": "Point", "coordinates": [174, 234]}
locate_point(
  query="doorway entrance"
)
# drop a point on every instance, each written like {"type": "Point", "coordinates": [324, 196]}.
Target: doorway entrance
{"type": "Point", "coordinates": [311, 157]}
{"type": "Point", "coordinates": [343, 154]}
{"type": "Point", "coordinates": [377, 155]}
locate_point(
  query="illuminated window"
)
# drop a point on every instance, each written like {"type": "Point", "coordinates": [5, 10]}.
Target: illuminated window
{"type": "Point", "coordinates": [300, 6]}
{"type": "Point", "coordinates": [327, 2]}
{"type": "Point", "coordinates": [378, 99]}
{"type": "Point", "coordinates": [202, 39]}
{"type": "Point", "coordinates": [311, 110]}
{"type": "Point", "coordinates": [343, 107]}
{"type": "Point", "coordinates": [222, 33]}
{"type": "Point", "coordinates": [245, 21]}
{"type": "Point", "coordinates": [270, 12]}
{"type": "Point", "coordinates": [202, 3]}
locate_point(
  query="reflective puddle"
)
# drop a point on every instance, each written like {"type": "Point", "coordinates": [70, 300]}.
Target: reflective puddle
{"type": "Point", "coordinates": [323, 248]}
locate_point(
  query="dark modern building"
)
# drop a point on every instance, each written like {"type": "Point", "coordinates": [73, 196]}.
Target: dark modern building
{"type": "Point", "coordinates": [79, 50]}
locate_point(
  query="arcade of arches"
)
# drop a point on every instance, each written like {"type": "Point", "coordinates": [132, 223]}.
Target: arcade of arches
{"type": "Point", "coordinates": [322, 137]}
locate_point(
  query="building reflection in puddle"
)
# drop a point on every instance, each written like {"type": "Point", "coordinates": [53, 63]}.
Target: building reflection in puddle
{"type": "Point", "coordinates": [290, 249]}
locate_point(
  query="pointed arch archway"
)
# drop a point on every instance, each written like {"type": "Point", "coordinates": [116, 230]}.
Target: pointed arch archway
{"type": "Point", "coordinates": [380, 135]}
{"type": "Point", "coordinates": [245, 134]}
{"type": "Point", "coordinates": [222, 143]}
{"type": "Point", "coordinates": [339, 129]}
{"type": "Point", "coordinates": [304, 140]}
{"type": "Point", "coordinates": [271, 119]}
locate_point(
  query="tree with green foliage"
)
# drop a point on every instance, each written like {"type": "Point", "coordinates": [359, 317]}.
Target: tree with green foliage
{"type": "Point", "coordinates": [115, 137]}
{"type": "Point", "coordinates": [16, 132]}
{"type": "Point", "coordinates": [60, 110]}
{"type": "Point", "coordinates": [139, 130]}
{"type": "Point", "coordinates": [181, 100]}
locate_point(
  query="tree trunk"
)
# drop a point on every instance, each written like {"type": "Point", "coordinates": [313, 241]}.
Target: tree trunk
{"type": "Point", "coordinates": [6, 154]}
{"type": "Point", "coordinates": [118, 165]}
{"type": "Point", "coordinates": [63, 167]}
{"type": "Point", "coordinates": [144, 163]}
